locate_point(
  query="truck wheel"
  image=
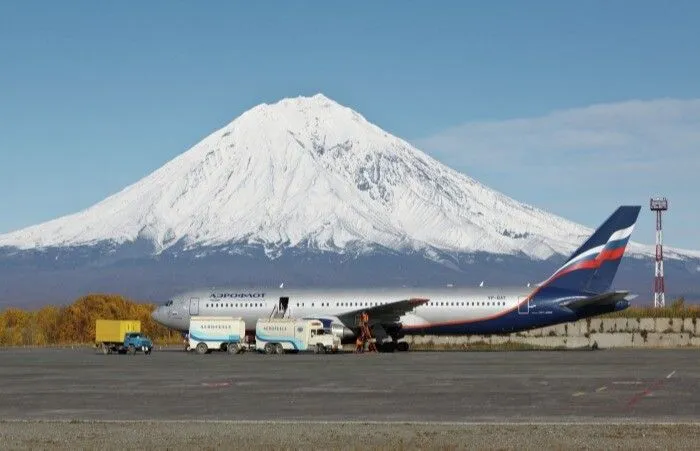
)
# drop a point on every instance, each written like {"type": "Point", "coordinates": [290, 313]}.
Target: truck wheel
{"type": "Point", "coordinates": [268, 348]}
{"type": "Point", "coordinates": [232, 348]}
{"type": "Point", "coordinates": [132, 350]}
{"type": "Point", "coordinates": [279, 349]}
{"type": "Point", "coordinates": [320, 349]}
{"type": "Point", "coordinates": [201, 348]}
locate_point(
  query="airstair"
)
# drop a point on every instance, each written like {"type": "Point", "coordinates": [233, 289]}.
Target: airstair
{"type": "Point", "coordinates": [281, 309]}
{"type": "Point", "coordinates": [365, 339]}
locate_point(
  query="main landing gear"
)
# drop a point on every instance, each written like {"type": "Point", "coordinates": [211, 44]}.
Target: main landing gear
{"type": "Point", "coordinates": [394, 333]}
{"type": "Point", "coordinates": [394, 346]}
{"type": "Point", "coordinates": [374, 337]}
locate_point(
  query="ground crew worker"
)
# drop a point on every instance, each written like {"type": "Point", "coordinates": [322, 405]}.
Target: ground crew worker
{"type": "Point", "coordinates": [364, 317]}
{"type": "Point", "coordinates": [359, 344]}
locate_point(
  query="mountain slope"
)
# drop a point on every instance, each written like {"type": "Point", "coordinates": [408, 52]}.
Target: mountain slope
{"type": "Point", "coordinates": [309, 172]}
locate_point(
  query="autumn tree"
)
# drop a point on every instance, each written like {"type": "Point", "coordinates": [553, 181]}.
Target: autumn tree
{"type": "Point", "coordinates": [75, 323]}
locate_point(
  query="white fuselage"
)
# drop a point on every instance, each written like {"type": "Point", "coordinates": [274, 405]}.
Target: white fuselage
{"type": "Point", "coordinates": [445, 305]}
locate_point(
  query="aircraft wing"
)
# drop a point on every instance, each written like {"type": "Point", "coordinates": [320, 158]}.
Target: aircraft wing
{"type": "Point", "coordinates": [601, 299]}
{"type": "Point", "coordinates": [383, 314]}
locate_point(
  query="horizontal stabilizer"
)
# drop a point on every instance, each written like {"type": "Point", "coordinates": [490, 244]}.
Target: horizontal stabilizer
{"type": "Point", "coordinates": [611, 297]}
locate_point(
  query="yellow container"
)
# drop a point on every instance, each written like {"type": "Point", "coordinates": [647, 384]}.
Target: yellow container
{"type": "Point", "coordinates": [112, 331]}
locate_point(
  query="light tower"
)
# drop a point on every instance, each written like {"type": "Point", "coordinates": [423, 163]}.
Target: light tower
{"type": "Point", "coordinates": [659, 205]}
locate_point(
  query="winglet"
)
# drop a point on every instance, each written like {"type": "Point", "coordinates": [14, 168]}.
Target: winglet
{"type": "Point", "coordinates": [418, 301]}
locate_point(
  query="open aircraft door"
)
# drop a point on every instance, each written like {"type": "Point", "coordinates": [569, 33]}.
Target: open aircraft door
{"type": "Point", "coordinates": [194, 306]}
{"type": "Point", "coordinates": [524, 305]}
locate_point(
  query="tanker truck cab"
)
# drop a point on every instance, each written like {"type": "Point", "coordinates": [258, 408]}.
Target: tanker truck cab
{"type": "Point", "coordinates": [278, 335]}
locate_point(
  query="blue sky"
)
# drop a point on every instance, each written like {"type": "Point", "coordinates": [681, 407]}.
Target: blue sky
{"type": "Point", "coordinates": [564, 105]}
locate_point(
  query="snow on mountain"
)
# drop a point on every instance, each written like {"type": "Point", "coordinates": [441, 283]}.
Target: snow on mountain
{"type": "Point", "coordinates": [310, 172]}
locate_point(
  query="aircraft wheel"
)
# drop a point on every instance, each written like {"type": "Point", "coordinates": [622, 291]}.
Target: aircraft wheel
{"type": "Point", "coordinates": [388, 347]}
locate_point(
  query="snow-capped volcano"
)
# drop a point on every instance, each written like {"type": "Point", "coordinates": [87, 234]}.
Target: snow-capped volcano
{"type": "Point", "coordinates": [308, 171]}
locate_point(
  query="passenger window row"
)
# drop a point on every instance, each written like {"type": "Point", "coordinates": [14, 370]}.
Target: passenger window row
{"type": "Point", "coordinates": [467, 304]}
{"type": "Point", "coordinates": [359, 304]}
{"type": "Point", "coordinates": [343, 304]}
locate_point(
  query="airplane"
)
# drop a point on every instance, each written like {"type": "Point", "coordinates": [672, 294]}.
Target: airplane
{"type": "Point", "coordinates": [580, 288]}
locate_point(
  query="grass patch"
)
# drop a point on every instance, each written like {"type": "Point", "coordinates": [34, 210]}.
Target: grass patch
{"type": "Point", "coordinates": [677, 309]}
{"type": "Point", "coordinates": [691, 311]}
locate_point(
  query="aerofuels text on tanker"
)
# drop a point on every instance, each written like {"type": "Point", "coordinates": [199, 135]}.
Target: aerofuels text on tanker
{"type": "Point", "coordinates": [220, 333]}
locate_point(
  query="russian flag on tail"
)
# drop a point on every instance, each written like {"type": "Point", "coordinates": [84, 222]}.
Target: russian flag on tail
{"type": "Point", "coordinates": [592, 267]}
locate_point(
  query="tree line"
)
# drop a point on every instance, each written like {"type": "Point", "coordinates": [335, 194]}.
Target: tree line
{"type": "Point", "coordinates": [75, 323]}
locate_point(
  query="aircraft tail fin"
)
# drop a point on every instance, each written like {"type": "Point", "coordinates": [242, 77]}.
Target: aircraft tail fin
{"type": "Point", "coordinates": [592, 267]}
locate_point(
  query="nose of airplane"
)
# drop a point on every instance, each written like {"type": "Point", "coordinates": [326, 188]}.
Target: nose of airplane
{"type": "Point", "coordinates": [155, 314]}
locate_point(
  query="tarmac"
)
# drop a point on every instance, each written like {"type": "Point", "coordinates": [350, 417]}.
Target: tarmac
{"type": "Point", "coordinates": [610, 388]}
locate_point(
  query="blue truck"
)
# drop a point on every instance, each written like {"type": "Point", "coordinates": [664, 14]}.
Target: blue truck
{"type": "Point", "coordinates": [121, 337]}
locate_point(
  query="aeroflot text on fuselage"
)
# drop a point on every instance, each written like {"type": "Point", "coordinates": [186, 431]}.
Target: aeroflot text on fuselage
{"type": "Point", "coordinates": [237, 295]}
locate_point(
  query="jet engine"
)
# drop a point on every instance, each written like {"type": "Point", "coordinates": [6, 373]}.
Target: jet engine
{"type": "Point", "coordinates": [339, 330]}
